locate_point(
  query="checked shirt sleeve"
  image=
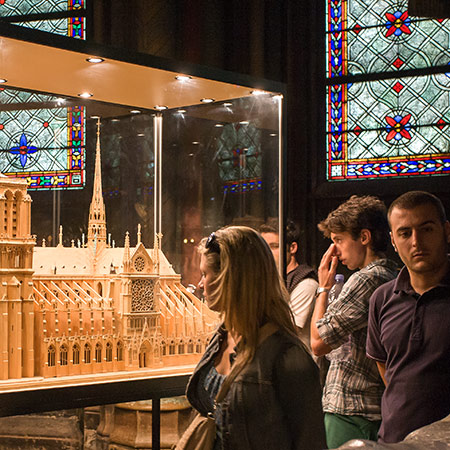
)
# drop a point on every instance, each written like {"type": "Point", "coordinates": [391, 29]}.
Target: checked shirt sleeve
{"type": "Point", "coordinates": [349, 313]}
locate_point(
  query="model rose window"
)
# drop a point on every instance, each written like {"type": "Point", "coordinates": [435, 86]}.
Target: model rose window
{"type": "Point", "coordinates": [142, 295]}
{"type": "Point", "coordinates": [139, 264]}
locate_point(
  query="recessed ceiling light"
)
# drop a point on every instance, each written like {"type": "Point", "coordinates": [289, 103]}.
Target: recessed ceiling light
{"type": "Point", "coordinates": [227, 105]}
{"type": "Point", "coordinates": [141, 134]}
{"type": "Point", "coordinates": [3, 80]}
{"type": "Point", "coordinates": [95, 60]}
{"type": "Point", "coordinates": [196, 142]}
{"type": "Point", "coordinates": [181, 111]}
{"type": "Point", "coordinates": [115, 120]}
{"type": "Point", "coordinates": [160, 107]}
{"type": "Point", "coordinates": [183, 77]}
{"type": "Point", "coordinates": [95, 117]}
{"type": "Point", "coordinates": [273, 134]}
{"type": "Point", "coordinates": [244, 122]}
{"type": "Point", "coordinates": [258, 92]}
{"type": "Point", "coordinates": [135, 111]}
{"type": "Point", "coordinates": [85, 95]}
{"type": "Point", "coordinates": [207, 100]}
{"type": "Point", "coordinates": [218, 125]}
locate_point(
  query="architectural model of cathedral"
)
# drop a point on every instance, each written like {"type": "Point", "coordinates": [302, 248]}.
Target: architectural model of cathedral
{"type": "Point", "coordinates": [93, 308]}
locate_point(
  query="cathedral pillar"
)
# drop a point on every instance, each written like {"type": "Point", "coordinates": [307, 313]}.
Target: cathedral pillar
{"type": "Point", "coordinates": [2, 214]}
{"type": "Point", "coordinates": [14, 329]}
{"type": "Point", "coordinates": [4, 331]}
{"type": "Point", "coordinates": [28, 329]}
{"type": "Point", "coordinates": [9, 215]}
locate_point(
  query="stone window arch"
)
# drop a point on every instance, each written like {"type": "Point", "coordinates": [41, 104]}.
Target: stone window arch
{"type": "Point", "coordinates": [51, 356]}
{"type": "Point", "coordinates": [119, 351]}
{"type": "Point", "coordinates": [87, 354]}
{"type": "Point", "coordinates": [109, 352]}
{"type": "Point", "coordinates": [63, 355]}
{"type": "Point", "coordinates": [76, 354]}
{"type": "Point", "coordinates": [98, 352]}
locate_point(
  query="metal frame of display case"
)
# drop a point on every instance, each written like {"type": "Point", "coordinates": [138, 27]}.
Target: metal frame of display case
{"type": "Point", "coordinates": [48, 398]}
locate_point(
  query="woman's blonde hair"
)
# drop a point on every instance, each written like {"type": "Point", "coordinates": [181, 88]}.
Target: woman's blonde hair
{"type": "Point", "coordinates": [247, 291]}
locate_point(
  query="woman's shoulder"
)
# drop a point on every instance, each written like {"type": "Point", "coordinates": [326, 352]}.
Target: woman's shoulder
{"type": "Point", "coordinates": [292, 353]}
{"type": "Point", "coordinates": [281, 342]}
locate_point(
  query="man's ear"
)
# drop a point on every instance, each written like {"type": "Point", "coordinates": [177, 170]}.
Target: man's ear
{"type": "Point", "coordinates": [392, 241]}
{"type": "Point", "coordinates": [365, 236]}
{"type": "Point", "coordinates": [293, 248]}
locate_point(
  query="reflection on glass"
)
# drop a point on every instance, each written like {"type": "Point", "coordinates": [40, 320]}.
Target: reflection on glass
{"type": "Point", "coordinates": [220, 167]}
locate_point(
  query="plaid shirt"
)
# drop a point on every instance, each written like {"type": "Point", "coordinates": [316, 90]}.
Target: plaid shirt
{"type": "Point", "coordinates": [353, 385]}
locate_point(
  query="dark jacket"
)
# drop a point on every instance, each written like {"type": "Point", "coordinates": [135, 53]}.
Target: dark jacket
{"type": "Point", "coordinates": [274, 403]}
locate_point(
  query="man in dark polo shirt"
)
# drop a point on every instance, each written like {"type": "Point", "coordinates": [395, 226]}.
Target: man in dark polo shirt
{"type": "Point", "coordinates": [409, 319]}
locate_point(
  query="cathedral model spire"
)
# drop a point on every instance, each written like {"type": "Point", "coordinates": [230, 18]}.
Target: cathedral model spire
{"type": "Point", "coordinates": [97, 216]}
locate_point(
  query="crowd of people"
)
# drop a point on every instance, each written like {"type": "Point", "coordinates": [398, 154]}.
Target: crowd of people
{"type": "Point", "coordinates": [386, 336]}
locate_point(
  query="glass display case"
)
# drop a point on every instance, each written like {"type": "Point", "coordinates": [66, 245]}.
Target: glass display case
{"type": "Point", "coordinates": [124, 163]}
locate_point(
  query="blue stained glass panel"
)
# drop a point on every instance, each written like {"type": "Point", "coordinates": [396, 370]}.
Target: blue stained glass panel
{"type": "Point", "coordinates": [41, 140]}
{"type": "Point", "coordinates": [380, 36]}
{"type": "Point", "coordinates": [239, 152]}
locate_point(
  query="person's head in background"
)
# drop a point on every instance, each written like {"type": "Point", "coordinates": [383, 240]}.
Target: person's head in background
{"type": "Point", "coordinates": [270, 232]}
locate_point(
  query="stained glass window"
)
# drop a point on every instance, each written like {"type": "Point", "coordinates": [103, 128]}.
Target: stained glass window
{"type": "Point", "coordinates": [388, 106]}
{"type": "Point", "coordinates": [239, 157]}
{"type": "Point", "coordinates": [42, 139]}
{"type": "Point", "coordinates": [65, 17]}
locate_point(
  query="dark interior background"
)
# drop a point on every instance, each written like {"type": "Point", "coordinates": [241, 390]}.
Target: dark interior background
{"type": "Point", "coordinates": [281, 40]}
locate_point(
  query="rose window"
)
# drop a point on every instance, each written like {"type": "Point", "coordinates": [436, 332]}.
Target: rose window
{"type": "Point", "coordinates": [139, 264]}
{"type": "Point", "coordinates": [142, 295]}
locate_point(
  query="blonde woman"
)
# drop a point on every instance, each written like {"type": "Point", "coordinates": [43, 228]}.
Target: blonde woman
{"type": "Point", "coordinates": [273, 396]}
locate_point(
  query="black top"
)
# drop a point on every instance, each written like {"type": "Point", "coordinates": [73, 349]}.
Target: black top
{"type": "Point", "coordinates": [274, 403]}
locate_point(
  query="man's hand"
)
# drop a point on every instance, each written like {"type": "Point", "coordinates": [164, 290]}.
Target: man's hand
{"type": "Point", "coordinates": [327, 267]}
{"type": "Point", "coordinates": [326, 272]}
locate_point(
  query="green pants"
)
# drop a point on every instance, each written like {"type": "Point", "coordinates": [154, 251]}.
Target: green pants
{"type": "Point", "coordinates": [340, 429]}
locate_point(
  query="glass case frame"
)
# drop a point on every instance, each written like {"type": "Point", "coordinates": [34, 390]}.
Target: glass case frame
{"type": "Point", "coordinates": [60, 68]}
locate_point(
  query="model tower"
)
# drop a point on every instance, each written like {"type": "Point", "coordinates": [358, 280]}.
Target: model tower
{"type": "Point", "coordinates": [97, 216]}
{"type": "Point", "coordinates": [16, 285]}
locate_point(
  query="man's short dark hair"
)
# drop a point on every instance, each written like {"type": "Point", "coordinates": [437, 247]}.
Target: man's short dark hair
{"type": "Point", "coordinates": [271, 226]}
{"type": "Point", "coordinates": [293, 235]}
{"type": "Point", "coordinates": [413, 199]}
{"type": "Point", "coordinates": [358, 213]}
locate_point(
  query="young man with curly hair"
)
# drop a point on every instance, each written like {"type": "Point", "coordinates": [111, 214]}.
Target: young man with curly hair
{"type": "Point", "coordinates": [353, 387]}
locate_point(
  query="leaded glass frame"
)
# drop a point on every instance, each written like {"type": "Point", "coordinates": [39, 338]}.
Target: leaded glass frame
{"type": "Point", "coordinates": [42, 140]}
{"type": "Point", "coordinates": [64, 17]}
{"type": "Point", "coordinates": [388, 93]}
